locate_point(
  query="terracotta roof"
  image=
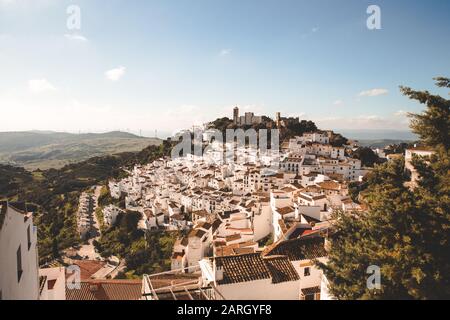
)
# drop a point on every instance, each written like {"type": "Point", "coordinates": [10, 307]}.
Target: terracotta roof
{"type": "Point", "coordinates": [285, 210]}
{"type": "Point", "coordinates": [281, 269]}
{"type": "Point", "coordinates": [106, 290]}
{"type": "Point", "coordinates": [251, 267]}
{"type": "Point", "coordinates": [299, 249]}
{"type": "Point", "coordinates": [88, 268]}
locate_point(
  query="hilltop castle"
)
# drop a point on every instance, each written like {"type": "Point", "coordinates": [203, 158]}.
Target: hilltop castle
{"type": "Point", "coordinates": [249, 118]}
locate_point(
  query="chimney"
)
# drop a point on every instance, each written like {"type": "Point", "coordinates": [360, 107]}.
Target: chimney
{"type": "Point", "coordinates": [219, 274]}
{"type": "Point", "coordinates": [218, 271]}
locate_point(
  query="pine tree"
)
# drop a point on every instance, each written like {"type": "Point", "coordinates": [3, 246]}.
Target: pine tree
{"type": "Point", "coordinates": [404, 231]}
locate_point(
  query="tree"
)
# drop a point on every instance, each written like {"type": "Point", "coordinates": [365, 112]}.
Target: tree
{"type": "Point", "coordinates": [404, 231]}
{"type": "Point", "coordinates": [432, 126]}
{"type": "Point", "coordinates": [337, 140]}
{"type": "Point", "coordinates": [367, 156]}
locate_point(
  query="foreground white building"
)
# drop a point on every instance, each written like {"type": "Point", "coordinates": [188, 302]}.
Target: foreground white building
{"type": "Point", "coordinates": [52, 283]}
{"type": "Point", "coordinates": [18, 252]}
{"type": "Point", "coordinates": [252, 277]}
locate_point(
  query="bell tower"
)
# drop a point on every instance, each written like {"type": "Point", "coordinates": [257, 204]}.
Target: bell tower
{"type": "Point", "coordinates": [235, 115]}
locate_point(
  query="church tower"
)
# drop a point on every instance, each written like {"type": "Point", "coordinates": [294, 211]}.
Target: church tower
{"type": "Point", "coordinates": [236, 115]}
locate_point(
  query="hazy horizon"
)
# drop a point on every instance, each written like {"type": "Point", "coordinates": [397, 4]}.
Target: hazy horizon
{"type": "Point", "coordinates": [368, 134]}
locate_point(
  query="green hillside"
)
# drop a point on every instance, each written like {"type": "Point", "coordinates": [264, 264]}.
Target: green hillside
{"type": "Point", "coordinates": [44, 150]}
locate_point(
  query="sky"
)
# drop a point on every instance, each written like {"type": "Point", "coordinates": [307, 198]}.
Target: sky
{"type": "Point", "coordinates": [146, 65]}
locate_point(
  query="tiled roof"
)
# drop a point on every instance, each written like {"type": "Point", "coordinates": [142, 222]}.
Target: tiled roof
{"type": "Point", "coordinates": [309, 291]}
{"type": "Point", "coordinates": [88, 268]}
{"type": "Point", "coordinates": [299, 249]}
{"type": "Point", "coordinates": [285, 210]}
{"type": "Point", "coordinates": [251, 267]}
{"type": "Point", "coordinates": [106, 290]}
{"type": "Point", "coordinates": [281, 269]}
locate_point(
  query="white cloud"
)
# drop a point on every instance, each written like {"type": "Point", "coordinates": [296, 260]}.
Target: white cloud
{"type": "Point", "coordinates": [363, 122]}
{"type": "Point", "coordinates": [338, 103]}
{"type": "Point", "coordinates": [373, 92]}
{"type": "Point", "coordinates": [115, 74]}
{"type": "Point", "coordinates": [225, 52]}
{"type": "Point", "coordinates": [401, 113]}
{"type": "Point", "coordinates": [40, 85]}
{"type": "Point", "coordinates": [76, 37]}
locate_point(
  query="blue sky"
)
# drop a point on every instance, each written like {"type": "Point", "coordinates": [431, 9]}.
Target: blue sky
{"type": "Point", "coordinates": [146, 65]}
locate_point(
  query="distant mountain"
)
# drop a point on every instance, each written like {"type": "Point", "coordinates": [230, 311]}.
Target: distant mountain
{"type": "Point", "coordinates": [46, 149]}
{"type": "Point", "coordinates": [381, 143]}
{"type": "Point", "coordinates": [369, 134]}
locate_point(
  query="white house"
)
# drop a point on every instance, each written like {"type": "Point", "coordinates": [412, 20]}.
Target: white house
{"type": "Point", "coordinates": [18, 252]}
{"type": "Point", "coordinates": [52, 283]}
{"type": "Point", "coordinates": [110, 214]}
{"type": "Point", "coordinates": [252, 277]}
{"type": "Point", "coordinates": [301, 252]}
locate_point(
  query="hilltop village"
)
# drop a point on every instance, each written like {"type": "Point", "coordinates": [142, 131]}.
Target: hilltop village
{"type": "Point", "coordinates": [250, 228]}
{"type": "Point", "coordinates": [245, 224]}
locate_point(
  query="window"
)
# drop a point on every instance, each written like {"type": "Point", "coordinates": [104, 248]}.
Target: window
{"type": "Point", "coordinates": [307, 272]}
{"type": "Point", "coordinates": [19, 264]}
{"type": "Point", "coordinates": [29, 237]}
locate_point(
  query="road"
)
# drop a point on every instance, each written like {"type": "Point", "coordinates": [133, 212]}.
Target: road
{"type": "Point", "coordinates": [87, 251]}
